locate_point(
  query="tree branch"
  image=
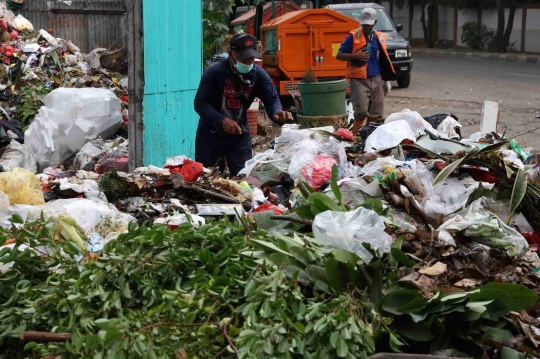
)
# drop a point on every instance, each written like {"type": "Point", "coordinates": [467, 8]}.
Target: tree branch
{"type": "Point", "coordinates": [306, 222]}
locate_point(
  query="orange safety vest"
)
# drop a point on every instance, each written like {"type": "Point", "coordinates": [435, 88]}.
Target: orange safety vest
{"type": "Point", "coordinates": [359, 42]}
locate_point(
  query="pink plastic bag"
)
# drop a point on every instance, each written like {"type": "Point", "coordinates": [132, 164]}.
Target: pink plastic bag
{"type": "Point", "coordinates": [345, 133]}
{"type": "Point", "coordinates": [319, 171]}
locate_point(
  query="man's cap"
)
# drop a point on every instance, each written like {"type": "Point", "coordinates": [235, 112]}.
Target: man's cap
{"type": "Point", "coordinates": [368, 16]}
{"type": "Point", "coordinates": [244, 45]}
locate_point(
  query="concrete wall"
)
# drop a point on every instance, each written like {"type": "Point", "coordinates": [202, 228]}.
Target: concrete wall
{"type": "Point", "coordinates": [489, 17]}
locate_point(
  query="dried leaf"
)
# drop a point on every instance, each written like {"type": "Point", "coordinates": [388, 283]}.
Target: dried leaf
{"type": "Point", "coordinates": [467, 283]}
{"type": "Point", "coordinates": [435, 270]}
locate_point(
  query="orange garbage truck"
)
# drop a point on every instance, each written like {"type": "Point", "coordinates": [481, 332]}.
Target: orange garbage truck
{"type": "Point", "coordinates": [302, 40]}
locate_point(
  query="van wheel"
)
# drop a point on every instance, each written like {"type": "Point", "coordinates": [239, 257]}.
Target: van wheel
{"type": "Point", "coordinates": [404, 81]}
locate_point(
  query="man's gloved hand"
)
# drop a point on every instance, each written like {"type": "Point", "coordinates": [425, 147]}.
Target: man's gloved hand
{"type": "Point", "coordinates": [231, 127]}
{"type": "Point", "coordinates": [283, 116]}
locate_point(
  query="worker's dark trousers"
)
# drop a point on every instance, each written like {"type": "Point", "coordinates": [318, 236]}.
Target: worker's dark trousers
{"type": "Point", "coordinates": [210, 152]}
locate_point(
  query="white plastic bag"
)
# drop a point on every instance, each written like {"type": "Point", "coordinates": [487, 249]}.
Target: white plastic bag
{"type": "Point", "coordinates": [449, 196]}
{"type": "Point", "coordinates": [21, 23]}
{"type": "Point", "coordinates": [416, 122]}
{"type": "Point", "coordinates": [447, 127]}
{"type": "Point", "coordinates": [70, 118]}
{"type": "Point", "coordinates": [18, 155]}
{"type": "Point", "coordinates": [389, 135]}
{"type": "Point", "coordinates": [349, 230]}
{"type": "Point", "coordinates": [512, 157]}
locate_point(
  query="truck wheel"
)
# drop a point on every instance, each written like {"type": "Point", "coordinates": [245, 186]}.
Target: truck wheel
{"type": "Point", "coordinates": [404, 81]}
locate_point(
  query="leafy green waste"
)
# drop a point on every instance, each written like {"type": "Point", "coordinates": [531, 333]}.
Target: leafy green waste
{"type": "Point", "coordinates": [215, 292]}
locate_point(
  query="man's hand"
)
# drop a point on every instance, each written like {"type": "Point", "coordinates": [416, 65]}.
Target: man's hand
{"type": "Point", "coordinates": [231, 127]}
{"type": "Point", "coordinates": [362, 55]}
{"type": "Point", "coordinates": [283, 116]}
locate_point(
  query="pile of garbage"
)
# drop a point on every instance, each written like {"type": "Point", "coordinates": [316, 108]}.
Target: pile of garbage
{"type": "Point", "coordinates": [53, 97]}
{"type": "Point", "coordinates": [408, 209]}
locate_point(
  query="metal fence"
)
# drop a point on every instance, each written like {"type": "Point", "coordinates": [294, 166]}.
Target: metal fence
{"type": "Point", "coordinates": [87, 23]}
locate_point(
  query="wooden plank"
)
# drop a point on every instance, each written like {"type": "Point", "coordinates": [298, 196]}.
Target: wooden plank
{"type": "Point", "coordinates": [491, 117]}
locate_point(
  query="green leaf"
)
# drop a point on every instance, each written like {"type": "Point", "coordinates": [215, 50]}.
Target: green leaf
{"type": "Point", "coordinates": [498, 334]}
{"type": "Point", "coordinates": [400, 256]}
{"type": "Point", "coordinates": [305, 212]}
{"type": "Point", "coordinates": [30, 345]}
{"type": "Point", "coordinates": [480, 192]}
{"type": "Point", "coordinates": [508, 353]}
{"type": "Point", "coordinates": [518, 192]}
{"type": "Point", "coordinates": [269, 347]}
{"type": "Point", "coordinates": [334, 338]}
{"type": "Point", "coordinates": [16, 219]}
{"type": "Point", "coordinates": [323, 202]}
{"type": "Point", "coordinates": [344, 256]}
{"type": "Point", "coordinates": [443, 175]}
{"type": "Point", "coordinates": [522, 297]}
{"type": "Point", "coordinates": [493, 148]}
{"type": "Point", "coordinates": [270, 246]}
{"type": "Point", "coordinates": [375, 204]}
{"type": "Point", "coordinates": [342, 349]}
{"type": "Point", "coordinates": [334, 185]}
{"type": "Point", "coordinates": [393, 301]}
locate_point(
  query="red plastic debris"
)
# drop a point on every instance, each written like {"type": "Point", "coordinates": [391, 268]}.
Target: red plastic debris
{"type": "Point", "coordinates": [319, 171]}
{"type": "Point", "coordinates": [481, 174]}
{"type": "Point", "coordinates": [191, 170]}
{"type": "Point", "coordinates": [532, 238]}
{"type": "Point", "coordinates": [173, 169]}
{"type": "Point", "coordinates": [7, 50]}
{"type": "Point", "coordinates": [345, 133]}
{"type": "Point", "coordinates": [120, 163]}
{"type": "Point", "coordinates": [269, 207]}
{"type": "Point", "coordinates": [124, 99]}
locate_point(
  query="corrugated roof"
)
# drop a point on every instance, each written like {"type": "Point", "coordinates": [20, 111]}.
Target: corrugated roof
{"type": "Point", "coordinates": [242, 19]}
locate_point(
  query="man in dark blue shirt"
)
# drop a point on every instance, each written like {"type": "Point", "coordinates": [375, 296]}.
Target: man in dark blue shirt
{"type": "Point", "coordinates": [226, 92]}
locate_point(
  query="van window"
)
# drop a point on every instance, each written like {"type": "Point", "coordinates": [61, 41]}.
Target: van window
{"type": "Point", "coordinates": [384, 23]}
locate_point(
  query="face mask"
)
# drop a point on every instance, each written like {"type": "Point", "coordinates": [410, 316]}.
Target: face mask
{"type": "Point", "coordinates": [371, 32]}
{"type": "Point", "coordinates": [242, 68]}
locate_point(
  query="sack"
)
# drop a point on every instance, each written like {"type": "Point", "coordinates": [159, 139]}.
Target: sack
{"type": "Point", "coordinates": [22, 187]}
{"type": "Point", "coordinates": [70, 118]}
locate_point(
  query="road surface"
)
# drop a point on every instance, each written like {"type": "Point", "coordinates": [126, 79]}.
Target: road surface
{"type": "Point", "coordinates": [441, 85]}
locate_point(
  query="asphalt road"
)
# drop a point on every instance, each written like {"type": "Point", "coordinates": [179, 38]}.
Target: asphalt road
{"type": "Point", "coordinates": [441, 85]}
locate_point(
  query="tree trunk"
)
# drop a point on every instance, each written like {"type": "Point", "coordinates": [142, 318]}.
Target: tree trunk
{"type": "Point", "coordinates": [423, 21]}
{"type": "Point", "coordinates": [432, 21]}
{"type": "Point", "coordinates": [411, 16]}
{"type": "Point", "coordinates": [499, 37]}
{"type": "Point", "coordinates": [392, 9]}
{"type": "Point", "coordinates": [509, 25]}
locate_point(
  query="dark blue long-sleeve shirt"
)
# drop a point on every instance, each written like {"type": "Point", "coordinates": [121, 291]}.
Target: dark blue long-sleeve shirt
{"type": "Point", "coordinates": [217, 98]}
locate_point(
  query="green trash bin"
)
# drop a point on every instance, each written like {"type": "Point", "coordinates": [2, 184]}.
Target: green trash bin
{"type": "Point", "coordinates": [323, 98]}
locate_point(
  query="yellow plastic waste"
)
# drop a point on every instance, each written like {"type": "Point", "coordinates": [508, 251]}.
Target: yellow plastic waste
{"type": "Point", "coordinates": [22, 187]}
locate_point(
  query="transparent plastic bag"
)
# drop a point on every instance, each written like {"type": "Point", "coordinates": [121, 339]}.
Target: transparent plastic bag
{"type": "Point", "coordinates": [304, 153]}
{"type": "Point", "coordinates": [350, 230]}
{"type": "Point", "coordinates": [488, 229]}
{"type": "Point", "coordinates": [22, 187]}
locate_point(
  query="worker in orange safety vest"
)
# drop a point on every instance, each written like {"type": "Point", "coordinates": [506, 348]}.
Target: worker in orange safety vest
{"type": "Point", "coordinates": [368, 66]}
